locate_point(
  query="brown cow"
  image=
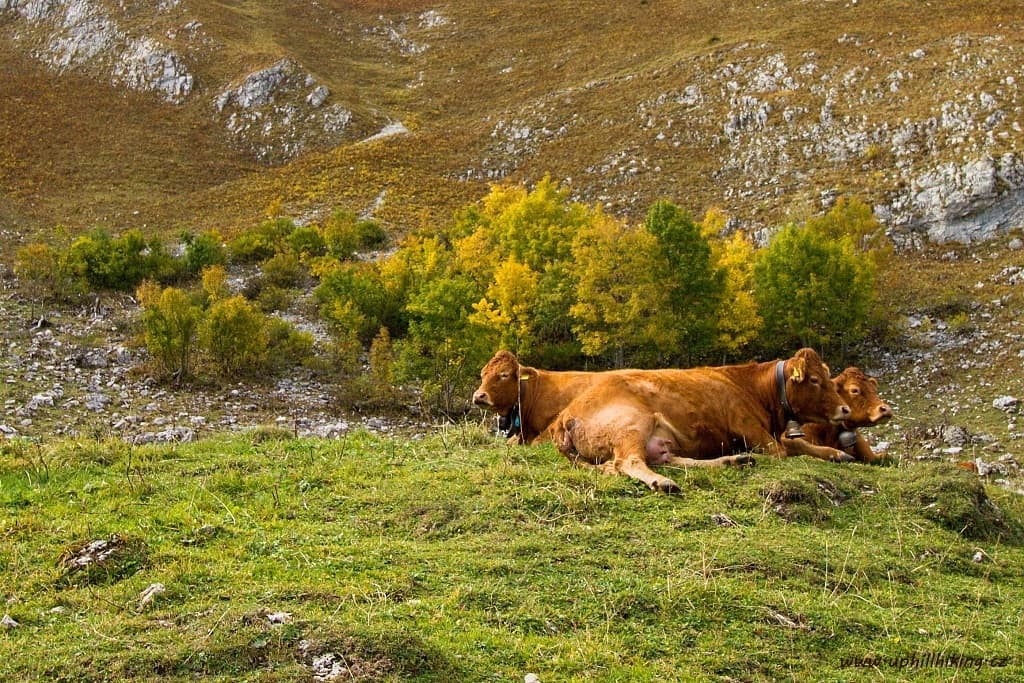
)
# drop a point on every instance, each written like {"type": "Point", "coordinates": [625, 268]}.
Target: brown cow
{"type": "Point", "coordinates": [526, 399]}
{"type": "Point", "coordinates": [859, 391]}
{"type": "Point", "coordinates": [630, 420]}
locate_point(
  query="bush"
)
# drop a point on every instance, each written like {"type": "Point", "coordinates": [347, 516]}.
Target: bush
{"type": "Point", "coordinates": [38, 268]}
{"type": "Point", "coordinates": [234, 337]}
{"type": "Point", "coordinates": [170, 322]}
{"type": "Point", "coordinates": [104, 262]}
{"type": "Point", "coordinates": [344, 234]}
{"type": "Point", "coordinates": [306, 243]}
{"type": "Point", "coordinates": [282, 270]}
{"type": "Point", "coordinates": [286, 345]}
{"type": "Point", "coordinates": [202, 251]}
{"type": "Point", "coordinates": [274, 298]}
{"type": "Point", "coordinates": [354, 297]}
{"type": "Point", "coordinates": [215, 283]}
{"type": "Point", "coordinates": [259, 244]}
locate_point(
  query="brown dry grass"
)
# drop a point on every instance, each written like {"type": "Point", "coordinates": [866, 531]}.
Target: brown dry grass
{"type": "Point", "coordinates": [77, 152]}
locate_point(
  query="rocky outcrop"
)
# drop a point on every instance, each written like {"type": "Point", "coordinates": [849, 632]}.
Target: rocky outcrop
{"type": "Point", "coordinates": [971, 202]}
{"type": "Point", "coordinates": [278, 112]}
{"type": "Point", "coordinates": [929, 133]}
{"type": "Point", "coordinates": [82, 34]}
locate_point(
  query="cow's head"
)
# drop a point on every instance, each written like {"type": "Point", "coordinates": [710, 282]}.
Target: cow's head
{"type": "Point", "coordinates": [860, 391]}
{"type": "Point", "coordinates": [810, 391]}
{"type": "Point", "coordinates": [499, 383]}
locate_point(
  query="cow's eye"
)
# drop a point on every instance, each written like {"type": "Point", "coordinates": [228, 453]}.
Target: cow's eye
{"type": "Point", "coordinates": [855, 391]}
{"type": "Point", "coordinates": [815, 381]}
{"type": "Point", "coordinates": [504, 375]}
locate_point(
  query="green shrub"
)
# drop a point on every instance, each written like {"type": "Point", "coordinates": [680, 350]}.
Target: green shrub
{"type": "Point", "coordinates": [206, 249]}
{"type": "Point", "coordinates": [170, 323]}
{"type": "Point", "coordinates": [104, 262]}
{"type": "Point", "coordinates": [282, 270]}
{"type": "Point", "coordinates": [274, 298]}
{"type": "Point", "coordinates": [287, 346]}
{"type": "Point", "coordinates": [354, 297]}
{"type": "Point", "coordinates": [234, 337]}
{"type": "Point", "coordinates": [344, 234]}
{"type": "Point", "coordinates": [262, 242]}
{"type": "Point", "coordinates": [306, 242]}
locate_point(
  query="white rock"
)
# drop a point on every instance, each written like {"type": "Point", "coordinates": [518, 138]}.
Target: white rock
{"type": "Point", "coordinates": [147, 596]}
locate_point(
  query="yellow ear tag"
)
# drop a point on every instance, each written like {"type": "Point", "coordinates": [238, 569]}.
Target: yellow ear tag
{"type": "Point", "coordinates": [524, 377]}
{"type": "Point", "coordinates": [796, 376]}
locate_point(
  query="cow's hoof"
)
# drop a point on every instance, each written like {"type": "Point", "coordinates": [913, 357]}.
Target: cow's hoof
{"type": "Point", "coordinates": [843, 457]}
{"type": "Point", "coordinates": [665, 486]}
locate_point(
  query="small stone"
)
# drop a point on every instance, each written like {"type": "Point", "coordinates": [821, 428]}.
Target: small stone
{"type": "Point", "coordinates": [147, 596]}
{"type": "Point", "coordinates": [7, 622]}
{"type": "Point", "coordinates": [1005, 403]}
{"type": "Point", "coordinates": [722, 519]}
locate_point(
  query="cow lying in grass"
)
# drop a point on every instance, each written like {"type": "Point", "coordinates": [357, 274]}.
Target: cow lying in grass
{"type": "Point", "coordinates": [528, 400]}
{"type": "Point", "coordinates": [859, 391]}
{"type": "Point", "coordinates": [705, 417]}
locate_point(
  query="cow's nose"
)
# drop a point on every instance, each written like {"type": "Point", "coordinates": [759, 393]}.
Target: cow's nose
{"type": "Point", "coordinates": [884, 410]}
{"type": "Point", "coordinates": [480, 398]}
{"type": "Point", "coordinates": [844, 410]}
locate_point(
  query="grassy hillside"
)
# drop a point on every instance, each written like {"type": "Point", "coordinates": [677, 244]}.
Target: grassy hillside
{"type": "Point", "coordinates": [594, 92]}
{"type": "Point", "coordinates": [451, 557]}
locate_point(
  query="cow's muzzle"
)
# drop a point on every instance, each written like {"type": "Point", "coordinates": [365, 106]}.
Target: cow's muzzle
{"type": "Point", "coordinates": [842, 413]}
{"type": "Point", "coordinates": [882, 413]}
{"type": "Point", "coordinates": [481, 398]}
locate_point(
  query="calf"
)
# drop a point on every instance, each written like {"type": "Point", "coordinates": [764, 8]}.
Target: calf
{"type": "Point", "coordinates": [711, 416]}
{"type": "Point", "coordinates": [859, 391]}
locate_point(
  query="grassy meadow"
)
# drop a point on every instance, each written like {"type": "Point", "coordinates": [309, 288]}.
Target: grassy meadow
{"type": "Point", "coordinates": [453, 557]}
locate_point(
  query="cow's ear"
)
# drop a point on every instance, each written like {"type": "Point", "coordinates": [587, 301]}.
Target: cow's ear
{"type": "Point", "coordinates": [874, 382]}
{"type": "Point", "coordinates": [797, 372]}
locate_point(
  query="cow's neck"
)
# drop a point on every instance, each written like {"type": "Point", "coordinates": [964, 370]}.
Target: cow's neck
{"type": "Point", "coordinates": [528, 379]}
{"type": "Point", "coordinates": [765, 388]}
{"type": "Point", "coordinates": [780, 383]}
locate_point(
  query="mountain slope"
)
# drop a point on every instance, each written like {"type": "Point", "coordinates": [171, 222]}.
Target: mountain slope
{"type": "Point", "coordinates": [199, 114]}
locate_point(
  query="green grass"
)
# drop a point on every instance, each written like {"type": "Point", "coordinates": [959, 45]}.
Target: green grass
{"type": "Point", "coordinates": [452, 557]}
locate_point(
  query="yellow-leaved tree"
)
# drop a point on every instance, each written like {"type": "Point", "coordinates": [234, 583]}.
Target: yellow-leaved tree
{"type": "Point", "coordinates": [739, 323]}
{"type": "Point", "coordinates": [621, 302]}
{"type": "Point", "coordinates": [508, 307]}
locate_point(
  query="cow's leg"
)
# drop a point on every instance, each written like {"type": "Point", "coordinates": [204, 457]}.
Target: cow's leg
{"type": "Point", "coordinates": [665, 438]}
{"type": "Point", "coordinates": [630, 459]}
{"type": "Point", "coordinates": [737, 460]}
{"type": "Point", "coordinates": [800, 446]}
{"type": "Point", "coordinates": [862, 451]}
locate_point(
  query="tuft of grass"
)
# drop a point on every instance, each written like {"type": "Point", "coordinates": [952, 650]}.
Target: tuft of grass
{"type": "Point", "coordinates": [957, 500]}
